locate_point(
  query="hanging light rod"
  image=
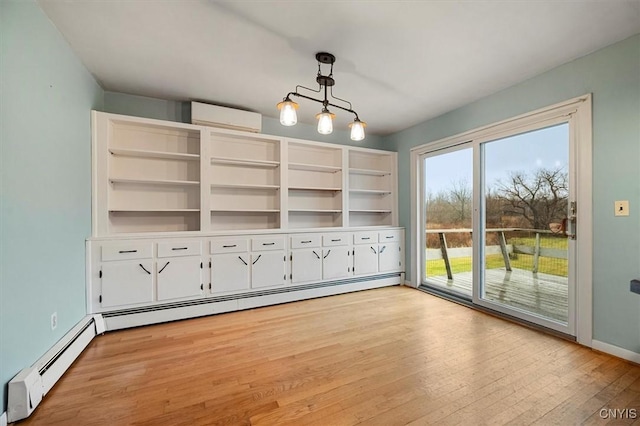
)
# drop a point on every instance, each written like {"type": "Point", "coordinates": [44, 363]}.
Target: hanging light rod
{"type": "Point", "coordinates": [287, 107]}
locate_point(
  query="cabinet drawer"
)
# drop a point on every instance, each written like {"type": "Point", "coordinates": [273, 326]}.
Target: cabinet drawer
{"type": "Point", "coordinates": [179, 248]}
{"type": "Point", "coordinates": [394, 236]}
{"type": "Point", "coordinates": [267, 243]}
{"type": "Point", "coordinates": [335, 239]}
{"type": "Point", "coordinates": [125, 251]}
{"type": "Point", "coordinates": [367, 237]}
{"type": "Point", "coordinates": [227, 245]}
{"type": "Point", "coordinates": [302, 241]}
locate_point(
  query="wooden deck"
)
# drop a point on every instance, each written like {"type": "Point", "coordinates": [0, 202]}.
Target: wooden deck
{"type": "Point", "coordinates": [541, 294]}
{"type": "Point", "coordinates": [392, 356]}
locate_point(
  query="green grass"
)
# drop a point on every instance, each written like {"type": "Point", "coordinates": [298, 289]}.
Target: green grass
{"type": "Point", "coordinates": [546, 265]}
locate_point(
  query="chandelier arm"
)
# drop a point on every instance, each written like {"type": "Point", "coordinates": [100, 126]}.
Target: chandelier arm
{"type": "Point", "coordinates": [340, 99]}
{"type": "Point", "coordinates": [306, 88]}
{"type": "Point", "coordinates": [328, 103]}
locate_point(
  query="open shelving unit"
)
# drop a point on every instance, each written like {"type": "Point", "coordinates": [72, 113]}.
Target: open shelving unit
{"type": "Point", "coordinates": [371, 188]}
{"type": "Point", "coordinates": [315, 182]}
{"type": "Point", "coordinates": [153, 176]}
{"type": "Point", "coordinates": [244, 181]}
{"type": "Point", "coordinates": [159, 176]}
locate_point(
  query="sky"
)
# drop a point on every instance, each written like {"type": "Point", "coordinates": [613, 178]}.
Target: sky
{"type": "Point", "coordinates": [544, 148]}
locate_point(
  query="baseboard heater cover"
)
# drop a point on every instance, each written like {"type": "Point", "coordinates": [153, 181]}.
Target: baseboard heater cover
{"type": "Point", "coordinates": [30, 385]}
{"type": "Point", "coordinates": [136, 317]}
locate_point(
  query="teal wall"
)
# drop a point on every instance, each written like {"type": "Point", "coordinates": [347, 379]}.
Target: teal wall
{"type": "Point", "coordinates": [140, 106]}
{"type": "Point", "coordinates": [613, 76]}
{"type": "Point", "coordinates": [45, 188]}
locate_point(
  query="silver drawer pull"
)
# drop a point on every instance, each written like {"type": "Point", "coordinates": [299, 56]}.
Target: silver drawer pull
{"type": "Point", "coordinates": [128, 251]}
{"type": "Point", "coordinates": [179, 248]}
{"type": "Point", "coordinates": [390, 236]}
{"type": "Point", "coordinates": [305, 242]}
{"type": "Point", "coordinates": [268, 244]}
{"type": "Point", "coordinates": [336, 240]}
{"type": "Point", "coordinates": [365, 238]}
{"type": "Point", "coordinates": [230, 246]}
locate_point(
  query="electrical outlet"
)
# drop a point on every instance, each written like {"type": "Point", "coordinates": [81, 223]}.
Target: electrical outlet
{"type": "Point", "coordinates": [54, 320]}
{"type": "Point", "coordinates": [622, 208]}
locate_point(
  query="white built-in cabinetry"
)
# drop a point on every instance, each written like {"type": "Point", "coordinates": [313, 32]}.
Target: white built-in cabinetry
{"type": "Point", "coordinates": [152, 176]}
{"type": "Point", "coordinates": [148, 271]}
{"type": "Point", "coordinates": [186, 213]}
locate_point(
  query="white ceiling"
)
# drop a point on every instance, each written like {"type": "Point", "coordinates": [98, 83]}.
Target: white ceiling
{"type": "Point", "coordinates": [398, 62]}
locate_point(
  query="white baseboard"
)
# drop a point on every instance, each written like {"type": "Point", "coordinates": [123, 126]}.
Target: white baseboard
{"type": "Point", "coordinates": [616, 351]}
{"type": "Point", "coordinates": [3, 419]}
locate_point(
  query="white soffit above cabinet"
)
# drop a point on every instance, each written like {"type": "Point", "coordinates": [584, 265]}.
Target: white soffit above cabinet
{"type": "Point", "coordinates": [399, 63]}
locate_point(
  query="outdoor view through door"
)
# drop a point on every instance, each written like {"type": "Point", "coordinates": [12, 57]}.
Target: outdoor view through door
{"type": "Point", "coordinates": [521, 191]}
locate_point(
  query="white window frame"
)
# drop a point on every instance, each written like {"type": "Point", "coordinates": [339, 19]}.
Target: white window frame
{"type": "Point", "coordinates": [576, 110]}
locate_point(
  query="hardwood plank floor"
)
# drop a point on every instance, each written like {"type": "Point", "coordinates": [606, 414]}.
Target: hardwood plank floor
{"type": "Point", "coordinates": [390, 356]}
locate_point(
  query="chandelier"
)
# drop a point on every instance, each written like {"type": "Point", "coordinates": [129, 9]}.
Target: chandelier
{"type": "Point", "coordinates": [287, 107]}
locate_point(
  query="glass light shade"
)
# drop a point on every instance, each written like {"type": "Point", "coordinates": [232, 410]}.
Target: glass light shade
{"type": "Point", "coordinates": [288, 116]}
{"type": "Point", "coordinates": [357, 130]}
{"type": "Point", "coordinates": [325, 122]}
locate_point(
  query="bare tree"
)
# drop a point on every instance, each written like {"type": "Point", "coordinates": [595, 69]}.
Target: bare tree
{"type": "Point", "coordinates": [459, 199]}
{"type": "Point", "coordinates": [540, 197]}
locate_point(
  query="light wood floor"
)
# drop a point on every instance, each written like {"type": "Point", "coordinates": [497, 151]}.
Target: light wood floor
{"type": "Point", "coordinates": [390, 356]}
{"type": "Point", "coordinates": [542, 294]}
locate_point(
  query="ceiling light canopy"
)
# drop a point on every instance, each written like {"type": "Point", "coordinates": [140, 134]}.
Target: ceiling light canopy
{"type": "Point", "coordinates": [287, 107]}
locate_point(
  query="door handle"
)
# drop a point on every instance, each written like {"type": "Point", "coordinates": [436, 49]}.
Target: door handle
{"type": "Point", "coordinates": [374, 250]}
{"type": "Point", "coordinates": [257, 258]}
{"type": "Point", "coordinates": [325, 256]}
{"type": "Point", "coordinates": [314, 252]}
{"type": "Point", "coordinates": [242, 260]}
{"type": "Point", "coordinates": [382, 249]}
{"type": "Point", "coordinates": [165, 265]}
{"type": "Point", "coordinates": [143, 268]}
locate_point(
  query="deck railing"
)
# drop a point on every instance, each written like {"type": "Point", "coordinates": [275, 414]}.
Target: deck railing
{"type": "Point", "coordinates": [446, 253]}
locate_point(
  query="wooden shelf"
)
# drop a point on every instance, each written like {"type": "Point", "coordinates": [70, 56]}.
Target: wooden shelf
{"type": "Point", "coordinates": [243, 162]}
{"type": "Point", "coordinates": [245, 210]}
{"type": "Point", "coordinates": [154, 181]}
{"type": "Point", "coordinates": [244, 186]}
{"type": "Point", "coordinates": [154, 210]}
{"type": "Point", "coordinates": [370, 191]}
{"type": "Point", "coordinates": [370, 172]}
{"type": "Point", "coordinates": [313, 211]}
{"type": "Point", "coordinates": [153, 154]}
{"type": "Point", "coordinates": [314, 167]}
{"type": "Point", "coordinates": [313, 188]}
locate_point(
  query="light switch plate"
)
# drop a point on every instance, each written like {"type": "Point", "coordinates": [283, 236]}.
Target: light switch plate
{"type": "Point", "coordinates": [622, 208]}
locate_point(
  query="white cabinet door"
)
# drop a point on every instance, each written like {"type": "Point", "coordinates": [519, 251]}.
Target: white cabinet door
{"type": "Point", "coordinates": [389, 257]}
{"type": "Point", "coordinates": [229, 272]}
{"type": "Point", "coordinates": [306, 265]}
{"type": "Point", "coordinates": [365, 259]}
{"type": "Point", "coordinates": [179, 277]}
{"type": "Point", "coordinates": [267, 269]}
{"type": "Point", "coordinates": [126, 283]}
{"type": "Point", "coordinates": [336, 262]}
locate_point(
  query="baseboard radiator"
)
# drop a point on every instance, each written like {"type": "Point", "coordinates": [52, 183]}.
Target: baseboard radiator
{"type": "Point", "coordinates": [135, 317]}
{"type": "Point", "coordinates": [30, 385]}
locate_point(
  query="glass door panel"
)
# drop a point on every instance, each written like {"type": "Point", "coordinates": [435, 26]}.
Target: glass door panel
{"type": "Point", "coordinates": [525, 195]}
{"type": "Point", "coordinates": [447, 212]}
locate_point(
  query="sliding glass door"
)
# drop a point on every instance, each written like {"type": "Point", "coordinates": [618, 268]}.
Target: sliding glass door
{"type": "Point", "coordinates": [498, 216]}
{"type": "Point", "coordinates": [525, 220]}
{"type": "Point", "coordinates": [448, 202]}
